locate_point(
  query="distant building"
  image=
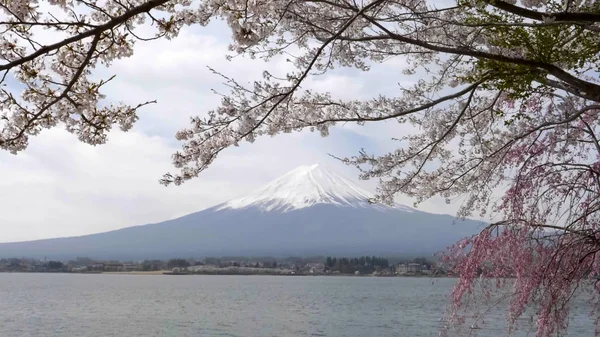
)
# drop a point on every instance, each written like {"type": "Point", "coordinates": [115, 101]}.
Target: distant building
{"type": "Point", "coordinates": [132, 267]}
{"type": "Point", "coordinates": [79, 269]}
{"type": "Point", "coordinates": [316, 268]}
{"type": "Point", "coordinates": [414, 268]}
{"type": "Point", "coordinates": [113, 267]}
{"type": "Point", "coordinates": [37, 267]}
{"type": "Point", "coordinates": [98, 267]}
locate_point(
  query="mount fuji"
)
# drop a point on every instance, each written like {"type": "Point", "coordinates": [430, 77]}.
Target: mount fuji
{"type": "Point", "coordinates": [308, 211]}
{"type": "Point", "coordinates": [303, 187]}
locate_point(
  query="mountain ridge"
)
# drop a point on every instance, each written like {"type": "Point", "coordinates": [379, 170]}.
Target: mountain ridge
{"type": "Point", "coordinates": [308, 211]}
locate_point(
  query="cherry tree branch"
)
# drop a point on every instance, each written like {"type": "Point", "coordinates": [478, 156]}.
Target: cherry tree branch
{"type": "Point", "coordinates": [145, 7]}
{"type": "Point", "coordinates": [531, 14]}
{"type": "Point", "coordinates": [586, 89]}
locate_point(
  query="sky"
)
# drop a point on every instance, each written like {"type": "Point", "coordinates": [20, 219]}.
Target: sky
{"type": "Point", "coordinates": [61, 187]}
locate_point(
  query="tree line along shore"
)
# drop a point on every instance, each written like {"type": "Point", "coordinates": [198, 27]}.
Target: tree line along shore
{"type": "Point", "coordinates": [364, 265]}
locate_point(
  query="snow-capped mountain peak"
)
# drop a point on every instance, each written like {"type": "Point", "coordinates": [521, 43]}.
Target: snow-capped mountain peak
{"type": "Point", "coordinates": [303, 187]}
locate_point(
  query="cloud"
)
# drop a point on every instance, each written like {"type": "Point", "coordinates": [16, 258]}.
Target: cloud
{"type": "Point", "coordinates": [61, 187]}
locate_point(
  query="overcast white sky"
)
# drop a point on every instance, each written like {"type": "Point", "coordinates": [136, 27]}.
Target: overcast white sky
{"type": "Point", "coordinates": [61, 187]}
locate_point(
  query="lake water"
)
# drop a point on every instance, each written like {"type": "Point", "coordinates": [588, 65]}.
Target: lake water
{"type": "Point", "coordinates": [74, 305]}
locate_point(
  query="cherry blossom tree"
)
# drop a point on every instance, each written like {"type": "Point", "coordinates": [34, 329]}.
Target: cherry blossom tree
{"type": "Point", "coordinates": [508, 101]}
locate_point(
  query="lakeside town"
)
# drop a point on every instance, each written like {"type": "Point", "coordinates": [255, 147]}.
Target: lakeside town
{"type": "Point", "coordinates": [365, 265]}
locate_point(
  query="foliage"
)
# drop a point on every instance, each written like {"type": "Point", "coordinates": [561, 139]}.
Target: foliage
{"type": "Point", "coordinates": [508, 100]}
{"type": "Point", "coordinates": [81, 261]}
{"type": "Point", "coordinates": [14, 263]}
{"type": "Point", "coordinates": [422, 260]}
{"type": "Point", "coordinates": [177, 263]}
{"type": "Point", "coordinates": [212, 260]}
{"type": "Point", "coordinates": [364, 264]}
{"type": "Point", "coordinates": [55, 265]}
{"type": "Point", "coordinates": [152, 265]}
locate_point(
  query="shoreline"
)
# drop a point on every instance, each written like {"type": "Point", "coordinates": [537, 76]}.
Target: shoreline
{"type": "Point", "coordinates": [169, 273]}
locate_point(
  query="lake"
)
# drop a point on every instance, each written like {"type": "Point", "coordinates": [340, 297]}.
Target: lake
{"type": "Point", "coordinates": [242, 306]}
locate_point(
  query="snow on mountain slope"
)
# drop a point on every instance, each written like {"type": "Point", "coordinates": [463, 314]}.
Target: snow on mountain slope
{"type": "Point", "coordinates": [306, 186]}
